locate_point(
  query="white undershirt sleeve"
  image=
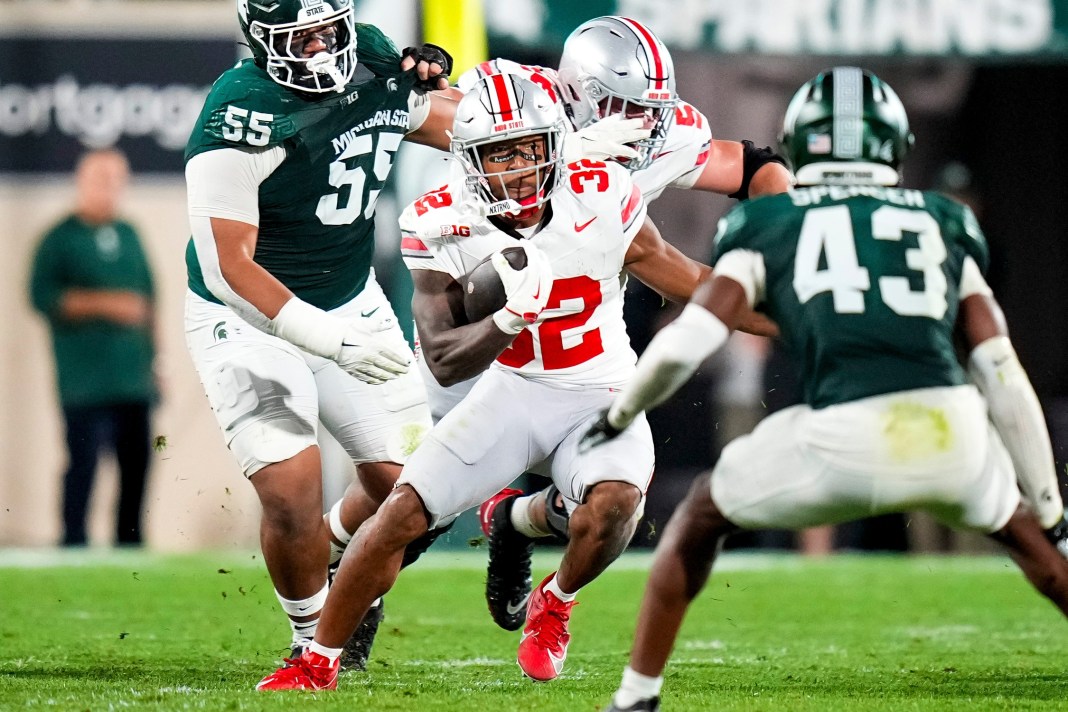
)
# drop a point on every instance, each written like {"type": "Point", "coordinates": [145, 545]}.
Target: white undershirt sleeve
{"type": "Point", "coordinates": [418, 109]}
{"type": "Point", "coordinates": [225, 183]}
{"type": "Point", "coordinates": [746, 267]}
{"type": "Point", "coordinates": [972, 282]}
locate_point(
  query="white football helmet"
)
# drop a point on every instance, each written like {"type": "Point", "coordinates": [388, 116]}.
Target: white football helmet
{"type": "Point", "coordinates": [615, 65]}
{"type": "Point", "coordinates": [502, 107]}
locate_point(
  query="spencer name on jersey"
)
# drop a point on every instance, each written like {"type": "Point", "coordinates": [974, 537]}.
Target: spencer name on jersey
{"type": "Point", "coordinates": [316, 231]}
{"type": "Point", "coordinates": [581, 339]}
{"type": "Point", "coordinates": [864, 283]}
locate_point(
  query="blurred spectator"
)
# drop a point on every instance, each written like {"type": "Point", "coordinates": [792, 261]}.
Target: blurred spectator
{"type": "Point", "coordinates": [92, 282]}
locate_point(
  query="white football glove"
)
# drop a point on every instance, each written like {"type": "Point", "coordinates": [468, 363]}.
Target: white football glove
{"type": "Point", "coordinates": [368, 357]}
{"type": "Point", "coordinates": [527, 289]}
{"type": "Point", "coordinates": [362, 352]}
{"type": "Point", "coordinates": [605, 140]}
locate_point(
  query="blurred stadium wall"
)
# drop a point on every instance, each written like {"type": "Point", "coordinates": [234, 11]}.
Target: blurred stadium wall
{"type": "Point", "coordinates": [984, 82]}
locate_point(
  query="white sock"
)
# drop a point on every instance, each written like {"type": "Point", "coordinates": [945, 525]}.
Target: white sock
{"type": "Point", "coordinates": [554, 587]}
{"type": "Point", "coordinates": [310, 606]}
{"type": "Point", "coordinates": [332, 654]}
{"type": "Point", "coordinates": [636, 687]}
{"type": "Point", "coordinates": [521, 516]}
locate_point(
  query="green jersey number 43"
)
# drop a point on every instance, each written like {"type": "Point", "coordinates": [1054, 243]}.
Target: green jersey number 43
{"type": "Point", "coordinates": [829, 232]}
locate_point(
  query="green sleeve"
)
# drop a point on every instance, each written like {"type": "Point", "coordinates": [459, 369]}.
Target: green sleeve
{"type": "Point", "coordinates": [46, 279]}
{"type": "Point", "coordinates": [244, 108]}
{"type": "Point", "coordinates": [376, 51]}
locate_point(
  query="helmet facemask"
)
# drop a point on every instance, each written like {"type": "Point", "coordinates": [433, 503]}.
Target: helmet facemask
{"type": "Point", "coordinates": [283, 49]}
{"type": "Point", "coordinates": [657, 108]}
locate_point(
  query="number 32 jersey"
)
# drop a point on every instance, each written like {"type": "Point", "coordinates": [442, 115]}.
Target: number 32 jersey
{"type": "Point", "coordinates": [864, 282]}
{"type": "Point", "coordinates": [581, 338]}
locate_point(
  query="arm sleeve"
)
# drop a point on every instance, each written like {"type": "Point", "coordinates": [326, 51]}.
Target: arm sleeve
{"type": "Point", "coordinates": [753, 159]}
{"type": "Point", "coordinates": [225, 184]}
{"type": "Point", "coordinates": [1017, 416]}
{"type": "Point", "coordinates": [972, 281]}
{"type": "Point", "coordinates": [746, 267]}
{"type": "Point", "coordinates": [418, 109]}
{"type": "Point", "coordinates": [670, 360]}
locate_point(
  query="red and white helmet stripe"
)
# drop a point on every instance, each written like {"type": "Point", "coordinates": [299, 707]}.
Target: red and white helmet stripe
{"type": "Point", "coordinates": [653, 52]}
{"type": "Point", "coordinates": [503, 103]}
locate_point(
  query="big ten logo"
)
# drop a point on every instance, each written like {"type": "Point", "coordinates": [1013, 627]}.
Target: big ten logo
{"type": "Point", "coordinates": [455, 231]}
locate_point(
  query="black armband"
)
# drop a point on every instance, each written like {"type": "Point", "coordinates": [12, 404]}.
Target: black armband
{"type": "Point", "coordinates": [431, 53]}
{"type": "Point", "coordinates": [753, 159]}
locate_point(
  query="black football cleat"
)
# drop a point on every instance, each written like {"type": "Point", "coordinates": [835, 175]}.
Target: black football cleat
{"type": "Point", "coordinates": [357, 651]}
{"type": "Point", "coordinates": [651, 704]}
{"type": "Point", "coordinates": [508, 581]}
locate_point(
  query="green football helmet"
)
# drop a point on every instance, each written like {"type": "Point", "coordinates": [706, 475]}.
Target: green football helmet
{"type": "Point", "coordinates": [846, 126]}
{"type": "Point", "coordinates": [278, 31]}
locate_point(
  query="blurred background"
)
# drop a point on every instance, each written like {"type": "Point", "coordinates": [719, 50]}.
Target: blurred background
{"type": "Point", "coordinates": [985, 83]}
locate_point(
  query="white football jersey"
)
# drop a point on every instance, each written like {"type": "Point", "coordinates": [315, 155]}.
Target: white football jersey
{"type": "Point", "coordinates": [682, 157]}
{"type": "Point", "coordinates": [580, 339]}
{"type": "Point", "coordinates": [680, 160]}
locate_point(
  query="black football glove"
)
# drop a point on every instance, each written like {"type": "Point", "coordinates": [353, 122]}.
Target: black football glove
{"type": "Point", "coordinates": [431, 54]}
{"type": "Point", "coordinates": [599, 433]}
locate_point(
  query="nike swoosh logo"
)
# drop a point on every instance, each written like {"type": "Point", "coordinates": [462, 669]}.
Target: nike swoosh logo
{"type": "Point", "coordinates": [583, 226]}
{"type": "Point", "coordinates": [512, 610]}
{"type": "Point", "coordinates": [369, 313]}
{"type": "Point", "coordinates": [558, 662]}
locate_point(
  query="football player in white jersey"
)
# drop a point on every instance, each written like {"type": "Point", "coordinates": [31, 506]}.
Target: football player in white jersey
{"type": "Point", "coordinates": [612, 68]}
{"type": "Point", "coordinates": [553, 355]}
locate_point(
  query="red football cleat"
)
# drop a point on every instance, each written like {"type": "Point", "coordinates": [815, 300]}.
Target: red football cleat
{"type": "Point", "coordinates": [543, 647]}
{"type": "Point", "coordinates": [310, 671]}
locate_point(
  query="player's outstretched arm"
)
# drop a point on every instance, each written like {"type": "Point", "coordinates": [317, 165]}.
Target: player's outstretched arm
{"type": "Point", "coordinates": [1014, 407]}
{"type": "Point", "coordinates": [673, 275]}
{"type": "Point", "coordinates": [434, 131]}
{"type": "Point", "coordinates": [660, 265]}
{"type": "Point", "coordinates": [742, 171]}
{"type": "Point", "coordinates": [718, 306]}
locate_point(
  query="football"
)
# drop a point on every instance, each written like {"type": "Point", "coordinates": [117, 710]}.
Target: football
{"type": "Point", "coordinates": [483, 289]}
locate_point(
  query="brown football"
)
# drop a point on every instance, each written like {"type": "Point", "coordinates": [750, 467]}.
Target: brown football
{"type": "Point", "coordinates": [483, 290]}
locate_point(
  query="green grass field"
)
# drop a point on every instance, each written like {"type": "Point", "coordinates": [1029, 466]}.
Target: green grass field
{"type": "Point", "coordinates": [103, 631]}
